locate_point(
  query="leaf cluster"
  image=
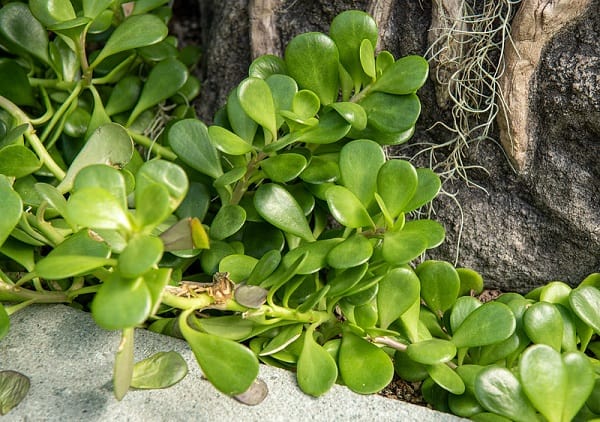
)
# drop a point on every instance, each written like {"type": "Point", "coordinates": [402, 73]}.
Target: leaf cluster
{"type": "Point", "coordinates": [279, 234]}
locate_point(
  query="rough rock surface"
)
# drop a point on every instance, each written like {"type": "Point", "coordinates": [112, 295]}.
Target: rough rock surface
{"type": "Point", "coordinates": [525, 229]}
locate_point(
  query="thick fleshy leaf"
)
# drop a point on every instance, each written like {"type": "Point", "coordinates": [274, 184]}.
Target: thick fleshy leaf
{"type": "Point", "coordinates": [190, 140]}
{"type": "Point", "coordinates": [404, 76]}
{"type": "Point", "coordinates": [585, 302]}
{"type": "Point", "coordinates": [18, 161]}
{"type": "Point", "coordinates": [398, 291]}
{"type": "Point", "coordinates": [306, 104]}
{"type": "Point", "coordinates": [14, 83]}
{"type": "Point", "coordinates": [97, 208]}
{"type": "Point", "coordinates": [283, 89]}
{"type": "Point", "coordinates": [428, 186]}
{"type": "Point", "coordinates": [331, 128]}
{"type": "Point", "coordinates": [470, 281]}
{"type": "Point", "coordinates": [121, 303]}
{"type": "Point", "coordinates": [321, 170]}
{"type": "Point", "coordinates": [353, 113]}
{"type": "Point", "coordinates": [142, 253]}
{"type": "Point", "coordinates": [397, 182]}
{"type": "Point", "coordinates": [256, 100]}
{"type": "Point", "coordinates": [277, 206]}
{"type": "Point", "coordinates": [229, 366]}
{"type": "Point", "coordinates": [312, 59]}
{"type": "Point", "coordinates": [499, 391]}
{"type": "Point", "coordinates": [250, 296]}
{"type": "Point", "coordinates": [285, 336]}
{"type": "Point", "coordinates": [391, 113]}
{"type": "Point", "coordinates": [581, 381]}
{"type": "Point", "coordinates": [346, 208]}
{"type": "Point", "coordinates": [134, 32]}
{"type": "Point", "coordinates": [93, 8]}
{"type": "Point", "coordinates": [432, 351]}
{"type": "Point", "coordinates": [65, 266]}
{"type": "Point", "coordinates": [462, 308]}
{"type": "Point", "coordinates": [439, 284]}
{"type": "Point", "coordinates": [430, 230]}
{"type": "Point", "coordinates": [544, 379]}
{"type": "Point", "coordinates": [316, 370]}
{"type": "Point", "coordinates": [161, 370]}
{"type": "Point", "coordinates": [265, 266]}
{"type": "Point", "coordinates": [316, 258]}
{"type": "Point", "coordinates": [402, 247]}
{"type": "Point", "coordinates": [22, 33]}
{"type": "Point", "coordinates": [124, 95]}
{"type": "Point", "coordinates": [110, 144]}
{"type": "Point", "coordinates": [265, 66]}
{"type": "Point", "coordinates": [364, 367]}
{"type": "Point", "coordinates": [239, 266]}
{"type": "Point", "coordinates": [152, 205]}
{"type": "Point", "coordinates": [18, 252]}
{"type": "Point", "coordinates": [543, 324]}
{"type": "Point", "coordinates": [229, 219]}
{"type": "Point", "coordinates": [4, 322]}
{"type": "Point", "coordinates": [50, 12]}
{"type": "Point", "coordinates": [284, 167]}
{"type": "Point", "coordinates": [163, 173]}
{"type": "Point", "coordinates": [348, 30]}
{"type": "Point", "coordinates": [446, 378]}
{"type": "Point", "coordinates": [360, 162]}
{"type": "Point", "coordinates": [556, 292]}
{"type": "Point", "coordinates": [14, 386]}
{"type": "Point", "coordinates": [367, 58]}
{"type": "Point", "coordinates": [11, 208]}
{"type": "Point", "coordinates": [82, 243]}
{"type": "Point", "coordinates": [240, 122]}
{"type": "Point", "coordinates": [102, 176]}
{"type": "Point", "coordinates": [228, 142]}
{"type": "Point", "coordinates": [354, 251]}
{"type": "Point", "coordinates": [164, 80]}
{"type": "Point", "coordinates": [490, 323]}
{"type": "Point", "coordinates": [233, 327]}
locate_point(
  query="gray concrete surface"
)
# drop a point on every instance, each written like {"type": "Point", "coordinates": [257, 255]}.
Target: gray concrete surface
{"type": "Point", "coordinates": [69, 361]}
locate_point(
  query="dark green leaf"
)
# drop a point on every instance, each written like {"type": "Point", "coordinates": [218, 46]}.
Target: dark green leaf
{"type": "Point", "coordinates": [312, 60]}
{"type": "Point", "coordinates": [488, 324]}
{"type": "Point", "coordinates": [404, 76]}
{"type": "Point", "coordinates": [14, 83]}
{"type": "Point", "coordinates": [190, 140]}
{"type": "Point", "coordinates": [124, 95]}
{"type": "Point", "coordinates": [284, 167]}
{"type": "Point", "coordinates": [391, 113]}
{"type": "Point", "coordinates": [229, 219]}
{"type": "Point", "coordinates": [346, 208]}
{"type": "Point", "coordinates": [401, 247]}
{"type": "Point", "coordinates": [354, 251]}
{"type": "Point", "coordinates": [11, 207]}
{"type": "Point", "coordinates": [446, 378]}
{"type": "Point", "coordinates": [397, 182]}
{"type": "Point", "coordinates": [22, 33]}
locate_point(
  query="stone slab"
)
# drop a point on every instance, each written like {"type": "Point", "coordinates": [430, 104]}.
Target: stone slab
{"type": "Point", "coordinates": [69, 361]}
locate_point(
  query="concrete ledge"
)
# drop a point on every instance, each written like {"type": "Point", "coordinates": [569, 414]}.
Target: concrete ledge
{"type": "Point", "coordinates": [69, 361]}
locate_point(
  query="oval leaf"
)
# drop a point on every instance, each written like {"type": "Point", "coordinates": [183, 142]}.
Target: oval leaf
{"type": "Point", "coordinates": [354, 251]}
{"type": "Point", "coordinates": [397, 182]}
{"type": "Point", "coordinates": [543, 324]}
{"type": "Point", "coordinates": [229, 219]}
{"type": "Point", "coordinates": [284, 167]}
{"type": "Point", "coordinates": [404, 76]}
{"type": "Point", "coordinates": [228, 142]}
{"type": "Point", "coordinates": [432, 351]}
{"type": "Point", "coordinates": [490, 323]}
{"type": "Point", "coordinates": [360, 162]}
{"type": "Point", "coordinates": [398, 291]}
{"type": "Point", "coordinates": [585, 302]}
{"type": "Point", "coordinates": [190, 140]}
{"type": "Point", "coordinates": [316, 370]}
{"type": "Point", "coordinates": [161, 370]}
{"type": "Point", "coordinates": [256, 100]}
{"type": "Point", "coordinates": [346, 208]}
{"type": "Point", "coordinates": [439, 285]}
{"type": "Point", "coordinates": [142, 253]}
{"type": "Point", "coordinates": [121, 303]}
{"type": "Point", "coordinates": [11, 207]}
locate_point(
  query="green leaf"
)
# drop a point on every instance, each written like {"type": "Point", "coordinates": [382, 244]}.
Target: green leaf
{"type": "Point", "coordinates": [499, 391]}
{"type": "Point", "coordinates": [397, 182]}
{"type": "Point", "coordinates": [346, 208]}
{"type": "Point", "coordinates": [134, 32]}
{"type": "Point", "coordinates": [228, 142]}
{"type": "Point", "coordinates": [402, 247]}
{"type": "Point", "coordinates": [82, 243]}
{"type": "Point", "coordinates": [142, 253]}
{"type": "Point", "coordinates": [97, 208]}
{"type": "Point", "coordinates": [65, 266]}
{"type": "Point", "coordinates": [306, 104]}
{"type": "Point", "coordinates": [348, 30]}
{"type": "Point", "coordinates": [161, 370]}
{"type": "Point", "coordinates": [229, 366]}
{"type": "Point", "coordinates": [428, 186]}
{"type": "Point", "coordinates": [51, 12]}
{"type": "Point", "coordinates": [439, 284]}
{"type": "Point", "coordinates": [240, 122]}
{"type": "Point", "coordinates": [391, 113]}
{"type": "Point", "coordinates": [360, 162]}
{"type": "Point", "coordinates": [384, 60]}
{"type": "Point", "coordinates": [144, 6]}
{"type": "Point", "coordinates": [166, 174]}
{"type": "Point", "coordinates": [233, 327]}
{"type": "Point", "coordinates": [102, 176]}
{"type": "Point", "coordinates": [110, 144]}
{"type": "Point", "coordinates": [14, 386]}
{"type": "Point", "coordinates": [277, 206]}
{"type": "Point", "coordinates": [404, 76]}
{"type": "Point", "coordinates": [18, 252]}
{"type": "Point", "coordinates": [121, 303]}
{"type": "Point", "coordinates": [432, 351]}
{"type": "Point", "coordinates": [470, 281]}
{"type": "Point", "coordinates": [256, 100]}
{"type": "Point", "coordinates": [265, 66]}
{"type": "Point", "coordinates": [124, 95]}
{"type": "Point", "coordinates": [353, 113]}
{"type": "Point", "coordinates": [544, 379]}
{"type": "Point", "coordinates": [123, 367]}
{"type": "Point", "coordinates": [364, 367]}
{"type": "Point", "coordinates": [580, 383]}
{"type": "Point", "coordinates": [585, 302]}
{"type": "Point", "coordinates": [93, 8]}
{"type": "Point", "coordinates": [446, 378]}
{"type": "Point", "coordinates": [367, 58]}
{"type": "Point", "coordinates": [285, 336]}
{"type": "Point", "coordinates": [353, 251]}
{"type": "Point", "coordinates": [316, 255]}
{"type": "Point", "coordinates": [265, 266]}
{"type": "Point", "coordinates": [284, 167]}
{"type": "Point", "coordinates": [239, 266]}
{"type": "Point", "coordinates": [152, 205]}
{"type": "Point", "coordinates": [321, 170]}
{"type": "Point", "coordinates": [11, 207]}
{"type": "Point", "coordinates": [490, 323]}
{"type": "Point", "coordinates": [22, 33]}
{"type": "Point", "coordinates": [164, 80]}
{"type": "Point", "coordinates": [190, 140]}
{"type": "Point", "coordinates": [430, 230]}
{"type": "Point", "coordinates": [543, 324]}
{"type": "Point", "coordinates": [397, 292]}
{"type": "Point", "coordinates": [462, 308]}
{"type": "Point", "coordinates": [312, 60]}
{"type": "Point", "coordinates": [283, 89]}
{"type": "Point", "coordinates": [316, 370]}
{"type": "Point", "coordinates": [229, 219]}
{"type": "Point", "coordinates": [14, 83]}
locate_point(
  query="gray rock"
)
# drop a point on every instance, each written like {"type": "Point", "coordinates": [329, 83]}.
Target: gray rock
{"type": "Point", "coordinates": [69, 361]}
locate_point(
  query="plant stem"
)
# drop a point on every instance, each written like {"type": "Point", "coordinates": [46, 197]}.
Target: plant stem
{"type": "Point", "coordinates": [153, 146]}
{"type": "Point", "coordinates": [242, 186]}
{"type": "Point", "coordinates": [34, 141]}
{"type": "Point", "coordinates": [10, 293]}
{"type": "Point", "coordinates": [61, 111]}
